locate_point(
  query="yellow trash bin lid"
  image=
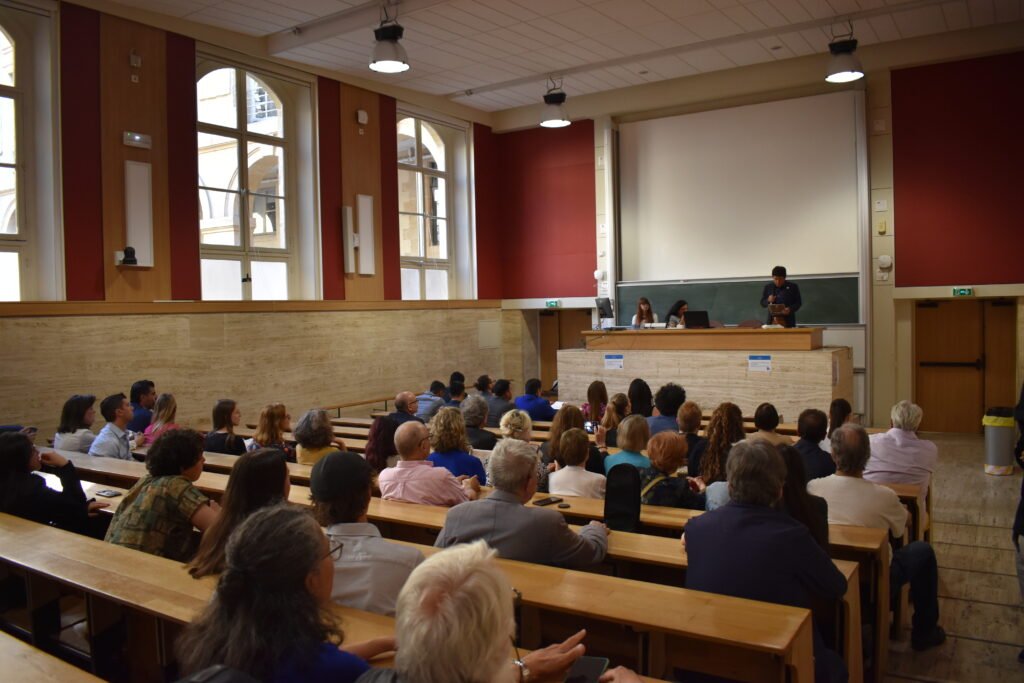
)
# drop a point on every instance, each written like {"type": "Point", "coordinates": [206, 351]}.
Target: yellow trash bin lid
{"type": "Point", "coordinates": [997, 421]}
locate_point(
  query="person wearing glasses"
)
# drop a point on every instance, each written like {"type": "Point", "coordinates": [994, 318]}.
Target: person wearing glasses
{"type": "Point", "coordinates": [368, 571]}
{"type": "Point", "coordinates": [414, 479]}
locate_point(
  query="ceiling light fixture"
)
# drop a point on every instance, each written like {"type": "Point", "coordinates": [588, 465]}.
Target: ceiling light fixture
{"type": "Point", "coordinates": [554, 106]}
{"type": "Point", "coordinates": [843, 65]}
{"type": "Point", "coordinates": [388, 56]}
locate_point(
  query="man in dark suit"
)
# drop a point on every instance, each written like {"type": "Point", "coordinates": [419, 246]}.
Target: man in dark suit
{"type": "Point", "coordinates": [780, 291]}
{"type": "Point", "coordinates": [748, 549]}
{"type": "Point", "coordinates": [812, 425]}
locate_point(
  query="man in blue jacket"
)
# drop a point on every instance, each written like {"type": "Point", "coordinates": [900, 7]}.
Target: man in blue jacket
{"type": "Point", "coordinates": [532, 402]}
{"type": "Point", "coordinates": [781, 291]}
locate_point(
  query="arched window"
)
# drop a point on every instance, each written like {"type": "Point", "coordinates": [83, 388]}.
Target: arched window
{"type": "Point", "coordinates": [246, 246]}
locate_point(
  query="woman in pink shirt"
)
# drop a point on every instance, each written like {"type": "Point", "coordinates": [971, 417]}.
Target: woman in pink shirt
{"type": "Point", "coordinates": [164, 411]}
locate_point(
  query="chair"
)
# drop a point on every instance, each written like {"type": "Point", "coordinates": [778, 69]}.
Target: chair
{"type": "Point", "coordinates": [750, 323]}
{"type": "Point", "coordinates": [622, 498]}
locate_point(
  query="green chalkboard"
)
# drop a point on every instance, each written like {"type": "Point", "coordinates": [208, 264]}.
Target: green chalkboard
{"type": "Point", "coordinates": [826, 301]}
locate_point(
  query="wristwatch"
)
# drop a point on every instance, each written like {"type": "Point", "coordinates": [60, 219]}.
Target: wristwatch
{"type": "Point", "coordinates": [524, 671]}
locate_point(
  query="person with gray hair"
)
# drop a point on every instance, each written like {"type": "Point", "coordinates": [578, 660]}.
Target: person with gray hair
{"type": "Point", "coordinates": [518, 531]}
{"type": "Point", "coordinates": [898, 456]}
{"type": "Point", "coordinates": [315, 436]}
{"type": "Point", "coordinates": [407, 404]}
{"type": "Point", "coordinates": [855, 501]}
{"type": "Point", "coordinates": [750, 549]}
{"type": "Point", "coordinates": [474, 413]}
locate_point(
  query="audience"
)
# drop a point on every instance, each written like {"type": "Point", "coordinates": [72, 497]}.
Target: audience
{"type": "Point", "coordinates": [430, 401]}
{"type": "Point", "coordinates": [24, 494]}
{"type": "Point", "coordinates": [483, 386]}
{"type": "Point", "coordinates": [811, 511]}
{"type": "Point", "coordinates": [617, 411]}
{"type": "Point", "coordinates": [164, 411]}
{"type": "Point", "coordinates": [858, 502]}
{"type": "Point", "coordinates": [570, 417]}
{"type": "Point", "coordinates": [533, 404]}
{"type": "Point", "coordinates": [839, 413]}
{"type": "Point", "coordinates": [368, 571]}
{"type": "Point", "coordinates": [226, 416]}
{"type": "Point", "coordinates": [273, 423]}
{"type": "Point", "coordinates": [380, 450]}
{"type": "Point", "coordinates": [518, 532]}
{"type": "Point", "coordinates": [725, 428]}
{"type": "Point", "coordinates": [689, 418]}
{"type": "Point", "coordinates": [414, 479]}
{"type": "Point", "coordinates": [451, 445]}
{"type": "Point", "coordinates": [406, 407]}
{"type": "Point", "coordinates": [456, 393]}
{"type": "Point", "coordinates": [315, 436]}
{"type": "Point", "coordinates": [811, 427]}
{"type": "Point", "coordinates": [499, 402]}
{"type": "Point", "coordinates": [572, 478]}
{"type": "Point", "coordinates": [660, 484]}
{"type": "Point", "coordinates": [269, 616]}
{"type": "Point", "coordinates": [474, 414]}
{"type": "Point", "coordinates": [76, 418]}
{"type": "Point", "coordinates": [668, 400]}
{"type": "Point", "coordinates": [259, 479]}
{"type": "Point", "coordinates": [158, 513]}
{"type": "Point", "coordinates": [516, 424]}
{"type": "Point", "coordinates": [143, 397]}
{"type": "Point", "coordinates": [114, 440]}
{"type": "Point", "coordinates": [633, 437]}
{"type": "Point", "coordinates": [766, 419]}
{"type": "Point", "coordinates": [596, 403]}
{"type": "Point", "coordinates": [640, 398]}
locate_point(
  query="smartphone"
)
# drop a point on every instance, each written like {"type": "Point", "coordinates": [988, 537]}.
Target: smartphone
{"type": "Point", "coordinates": [107, 493]}
{"type": "Point", "coordinates": [589, 427]}
{"type": "Point", "coordinates": [550, 500]}
{"type": "Point", "coordinates": [587, 670]}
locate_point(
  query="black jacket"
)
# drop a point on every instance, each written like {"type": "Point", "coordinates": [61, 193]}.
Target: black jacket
{"type": "Point", "coordinates": [26, 495]}
{"type": "Point", "coordinates": [788, 294]}
{"type": "Point", "coordinates": [817, 463]}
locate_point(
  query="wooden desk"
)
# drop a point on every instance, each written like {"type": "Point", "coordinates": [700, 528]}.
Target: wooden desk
{"type": "Point", "coordinates": [911, 496]}
{"type": "Point", "coordinates": [22, 662]}
{"type": "Point", "coordinates": [356, 445]}
{"type": "Point", "coordinates": [716, 339]}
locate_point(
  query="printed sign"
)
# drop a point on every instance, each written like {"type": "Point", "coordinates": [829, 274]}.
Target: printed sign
{"type": "Point", "coordinates": [759, 363]}
{"type": "Point", "coordinates": [613, 361]}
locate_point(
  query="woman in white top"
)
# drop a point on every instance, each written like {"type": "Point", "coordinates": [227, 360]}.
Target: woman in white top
{"type": "Point", "coordinates": [77, 416]}
{"type": "Point", "coordinates": [574, 479]}
{"type": "Point", "coordinates": [644, 315]}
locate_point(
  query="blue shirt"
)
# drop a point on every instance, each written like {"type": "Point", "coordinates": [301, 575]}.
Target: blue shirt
{"type": "Point", "coordinates": [636, 459]}
{"type": "Point", "coordinates": [330, 665]}
{"type": "Point", "coordinates": [111, 442]}
{"type": "Point", "coordinates": [459, 463]}
{"type": "Point", "coordinates": [537, 407]}
{"type": "Point", "coordinates": [141, 417]}
{"type": "Point", "coordinates": [662, 423]}
{"type": "Point", "coordinates": [428, 404]}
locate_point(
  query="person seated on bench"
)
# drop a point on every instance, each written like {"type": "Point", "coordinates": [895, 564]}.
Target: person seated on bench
{"type": "Point", "coordinates": [474, 414]}
{"type": "Point", "coordinates": [158, 513]}
{"type": "Point", "coordinates": [725, 428]}
{"type": "Point", "coordinates": [661, 484]}
{"type": "Point", "coordinates": [414, 479]}
{"type": "Point", "coordinates": [856, 501]}
{"type": "Point", "coordinates": [114, 440]}
{"type": "Point", "coordinates": [483, 386]}
{"type": "Point", "coordinates": [143, 398]}
{"type": "Point", "coordinates": [633, 437]}
{"type": "Point", "coordinates": [430, 401]}
{"type": "Point", "coordinates": [406, 407]}
{"type": "Point", "coordinates": [368, 571]}
{"type": "Point", "coordinates": [811, 511]}
{"type": "Point", "coordinates": [226, 416]}
{"type": "Point", "coordinates": [616, 412]}
{"type": "Point", "coordinates": [641, 400]}
{"type": "Point", "coordinates": [315, 436]}
{"type": "Point", "coordinates": [570, 417]}
{"type": "Point", "coordinates": [518, 532]}
{"type": "Point", "coordinates": [689, 418]}
{"type": "Point", "coordinates": [766, 419]}
{"type": "Point", "coordinates": [273, 423]}
{"type": "Point", "coordinates": [839, 413]}
{"type": "Point", "coordinates": [380, 449]}
{"type": "Point", "coordinates": [269, 615]}
{"type": "Point", "coordinates": [667, 401]}
{"type": "Point", "coordinates": [500, 402]}
{"type": "Point", "coordinates": [164, 412]}
{"type": "Point", "coordinates": [456, 394]}
{"type": "Point", "coordinates": [536, 406]}
{"type": "Point", "coordinates": [811, 426]}
{"type": "Point", "coordinates": [573, 478]}
{"type": "Point", "coordinates": [455, 621]}
{"type": "Point", "coordinates": [749, 549]}
{"type": "Point", "coordinates": [516, 424]}
{"type": "Point", "coordinates": [259, 478]}
{"type": "Point", "coordinates": [597, 402]}
{"type": "Point", "coordinates": [898, 456]}
{"type": "Point", "coordinates": [74, 432]}
{"type": "Point", "coordinates": [451, 445]}
{"type": "Point", "coordinates": [25, 495]}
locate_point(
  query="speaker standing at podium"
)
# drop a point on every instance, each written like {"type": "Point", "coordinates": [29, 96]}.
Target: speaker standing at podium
{"type": "Point", "coordinates": [779, 291]}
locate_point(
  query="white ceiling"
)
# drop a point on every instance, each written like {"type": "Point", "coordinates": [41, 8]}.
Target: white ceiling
{"type": "Point", "coordinates": [459, 45]}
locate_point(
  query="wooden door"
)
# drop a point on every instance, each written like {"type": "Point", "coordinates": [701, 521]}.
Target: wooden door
{"type": "Point", "coordinates": [1000, 347]}
{"type": "Point", "coordinates": [949, 352]}
{"type": "Point", "coordinates": [572, 322]}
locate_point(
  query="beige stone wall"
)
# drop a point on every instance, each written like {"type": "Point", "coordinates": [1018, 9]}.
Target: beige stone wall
{"type": "Point", "coordinates": [303, 359]}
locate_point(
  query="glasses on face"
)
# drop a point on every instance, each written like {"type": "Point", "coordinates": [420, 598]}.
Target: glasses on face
{"type": "Point", "coordinates": [335, 551]}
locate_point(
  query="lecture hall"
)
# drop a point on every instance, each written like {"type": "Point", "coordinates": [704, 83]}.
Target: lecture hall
{"type": "Point", "coordinates": [511, 341]}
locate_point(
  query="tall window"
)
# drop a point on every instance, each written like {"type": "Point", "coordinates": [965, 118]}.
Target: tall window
{"type": "Point", "coordinates": [424, 208]}
{"type": "Point", "coordinates": [247, 248]}
{"type": "Point", "coordinates": [12, 237]}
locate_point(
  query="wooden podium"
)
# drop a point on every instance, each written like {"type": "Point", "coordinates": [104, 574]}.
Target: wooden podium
{"type": "Point", "coordinates": [748, 366]}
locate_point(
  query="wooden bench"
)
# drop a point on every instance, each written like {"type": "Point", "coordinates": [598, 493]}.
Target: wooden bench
{"type": "Point", "coordinates": [22, 662]}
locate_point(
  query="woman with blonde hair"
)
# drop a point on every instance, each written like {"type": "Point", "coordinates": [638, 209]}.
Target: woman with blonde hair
{"type": "Point", "coordinates": [273, 423]}
{"type": "Point", "coordinates": [661, 484]}
{"type": "Point", "coordinates": [633, 436]}
{"type": "Point", "coordinates": [451, 445]}
{"type": "Point", "coordinates": [164, 411]}
{"type": "Point", "coordinates": [516, 424]}
{"type": "Point", "coordinates": [617, 411]}
{"type": "Point", "coordinates": [725, 428]}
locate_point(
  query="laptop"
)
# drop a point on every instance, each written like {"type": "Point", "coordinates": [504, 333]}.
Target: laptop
{"type": "Point", "coordinates": [696, 320]}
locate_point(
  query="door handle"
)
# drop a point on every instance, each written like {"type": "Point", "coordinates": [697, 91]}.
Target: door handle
{"type": "Point", "coordinates": [977, 364]}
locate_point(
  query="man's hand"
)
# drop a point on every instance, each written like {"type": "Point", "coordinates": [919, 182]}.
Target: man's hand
{"type": "Point", "coordinates": [600, 525]}
{"type": "Point", "coordinates": [601, 436]}
{"type": "Point", "coordinates": [95, 506]}
{"type": "Point", "coordinates": [619, 674]}
{"type": "Point", "coordinates": [771, 298]}
{"type": "Point", "coordinates": [471, 483]}
{"type": "Point", "coordinates": [554, 661]}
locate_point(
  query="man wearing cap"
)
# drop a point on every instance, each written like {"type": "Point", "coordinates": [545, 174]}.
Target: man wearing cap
{"type": "Point", "coordinates": [369, 572]}
{"type": "Point", "coordinates": [414, 479]}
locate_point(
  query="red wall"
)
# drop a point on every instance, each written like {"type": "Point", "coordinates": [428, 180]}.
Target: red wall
{"type": "Point", "coordinates": [183, 168]}
{"type": "Point", "coordinates": [958, 146]}
{"type": "Point", "coordinates": [542, 231]}
{"type": "Point", "coordinates": [389, 197]}
{"type": "Point", "coordinates": [331, 229]}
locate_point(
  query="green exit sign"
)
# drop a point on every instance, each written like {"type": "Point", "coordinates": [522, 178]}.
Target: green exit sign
{"type": "Point", "coordinates": [552, 303]}
{"type": "Point", "coordinates": [963, 291]}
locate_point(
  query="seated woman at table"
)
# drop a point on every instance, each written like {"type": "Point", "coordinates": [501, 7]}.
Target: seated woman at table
{"type": "Point", "coordinates": [226, 416]}
{"type": "Point", "coordinates": [158, 514]}
{"type": "Point", "coordinates": [164, 411]}
{"type": "Point", "coordinates": [633, 436]}
{"type": "Point", "coordinates": [570, 417]}
{"type": "Point", "coordinates": [766, 419]}
{"type": "Point", "coordinates": [315, 436]}
{"type": "Point", "coordinates": [23, 494]}
{"type": "Point", "coordinates": [806, 508]}
{"type": "Point", "coordinates": [661, 483]}
{"type": "Point", "coordinates": [725, 428]}
{"type": "Point", "coordinates": [451, 445]}
{"type": "Point", "coordinates": [381, 452]}
{"type": "Point", "coordinates": [674, 316]}
{"type": "Point", "coordinates": [273, 423]}
{"type": "Point", "coordinates": [516, 424]}
{"type": "Point", "coordinates": [644, 315]}
{"type": "Point", "coordinates": [617, 411]}
{"type": "Point", "coordinates": [269, 615]}
{"type": "Point", "coordinates": [573, 477]}
{"type": "Point", "coordinates": [597, 402]}
{"type": "Point", "coordinates": [689, 418]}
{"type": "Point", "coordinates": [474, 414]}
{"type": "Point", "coordinates": [839, 413]}
{"type": "Point", "coordinates": [641, 400]}
{"type": "Point", "coordinates": [258, 479]}
{"type": "Point", "coordinates": [74, 432]}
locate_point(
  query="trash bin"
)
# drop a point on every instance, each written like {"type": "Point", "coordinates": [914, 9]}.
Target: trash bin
{"type": "Point", "coordinates": [999, 439]}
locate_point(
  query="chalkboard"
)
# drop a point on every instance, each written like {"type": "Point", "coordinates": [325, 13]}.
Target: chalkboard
{"type": "Point", "coordinates": [826, 301]}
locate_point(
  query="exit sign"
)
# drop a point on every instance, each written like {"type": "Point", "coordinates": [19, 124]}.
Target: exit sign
{"type": "Point", "coordinates": [963, 291]}
{"type": "Point", "coordinates": [552, 303]}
